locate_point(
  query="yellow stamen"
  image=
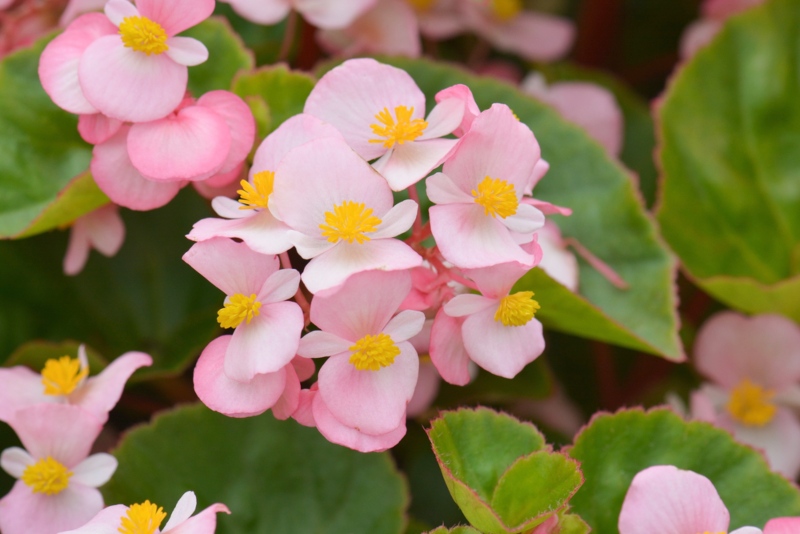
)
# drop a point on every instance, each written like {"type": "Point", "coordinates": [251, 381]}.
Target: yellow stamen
{"type": "Point", "coordinates": [349, 221]}
{"type": "Point", "coordinates": [373, 352]}
{"type": "Point", "coordinates": [505, 10]}
{"type": "Point", "coordinates": [46, 476]}
{"type": "Point", "coordinates": [405, 129]}
{"type": "Point", "coordinates": [238, 308]}
{"type": "Point", "coordinates": [143, 35]}
{"type": "Point", "coordinates": [497, 197]}
{"type": "Point", "coordinates": [256, 195]}
{"type": "Point", "coordinates": [61, 376]}
{"type": "Point", "coordinates": [751, 404]}
{"type": "Point", "coordinates": [142, 518]}
{"type": "Point", "coordinates": [517, 309]}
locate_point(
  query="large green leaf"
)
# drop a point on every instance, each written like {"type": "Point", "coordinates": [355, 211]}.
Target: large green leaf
{"type": "Point", "coordinates": [608, 219]}
{"type": "Point", "coordinates": [729, 127]}
{"type": "Point", "coordinates": [275, 476]}
{"type": "Point", "coordinates": [613, 448]}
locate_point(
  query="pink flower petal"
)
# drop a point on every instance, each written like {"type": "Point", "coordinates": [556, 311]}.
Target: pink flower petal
{"type": "Point", "coordinates": [463, 94]}
{"type": "Point", "coordinates": [183, 510]}
{"type": "Point", "coordinates": [240, 123]}
{"type": "Point", "coordinates": [467, 304]}
{"type": "Point", "coordinates": [496, 282]}
{"type": "Point", "coordinates": [261, 12]}
{"type": "Point", "coordinates": [444, 118]}
{"type": "Point", "coordinates": [25, 512]}
{"type": "Point", "coordinates": [77, 251]}
{"type": "Point", "coordinates": [118, 10]}
{"type": "Point", "coordinates": [426, 389]}
{"type": "Point", "coordinates": [281, 285]}
{"type": "Point", "coordinates": [95, 470]}
{"type": "Point", "coordinates": [443, 190]}
{"type": "Point", "coordinates": [527, 220]}
{"type": "Point", "coordinates": [534, 36]}
{"type": "Point", "coordinates": [176, 15]}
{"type": "Point", "coordinates": [335, 432]}
{"type": "Point", "coordinates": [203, 523]}
{"type": "Point", "coordinates": [62, 431]}
{"type": "Point", "coordinates": [99, 394]}
{"type": "Point", "coordinates": [304, 414]}
{"type": "Point", "coordinates": [232, 267]}
{"type": "Point", "coordinates": [409, 163]}
{"type": "Point", "coordinates": [262, 232]}
{"type": "Point", "coordinates": [14, 461]}
{"type": "Point", "coordinates": [779, 440]}
{"type": "Point", "coordinates": [319, 344]}
{"type": "Point", "coordinates": [107, 521]}
{"type": "Point", "coordinates": [501, 350]}
{"type": "Point", "coordinates": [332, 15]}
{"type": "Point", "coordinates": [782, 525]}
{"type": "Point", "coordinates": [96, 128]}
{"type": "Point", "coordinates": [75, 8]}
{"type": "Point", "coordinates": [20, 387]}
{"type": "Point", "coordinates": [304, 367]}
{"type": "Point", "coordinates": [558, 262]}
{"type": "Point", "coordinates": [397, 220]}
{"type": "Point", "coordinates": [231, 397]}
{"type": "Point", "coordinates": [292, 133]}
{"type": "Point", "coordinates": [405, 325]}
{"type": "Point", "coordinates": [186, 51]}
{"type": "Point", "coordinates": [288, 402]}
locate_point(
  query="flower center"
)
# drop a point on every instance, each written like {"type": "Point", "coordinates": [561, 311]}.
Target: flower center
{"type": "Point", "coordinates": [256, 195]}
{"type": "Point", "coordinates": [751, 404]}
{"type": "Point", "coordinates": [142, 518]}
{"type": "Point", "coordinates": [497, 197]}
{"type": "Point", "coordinates": [517, 309]}
{"type": "Point", "coordinates": [61, 376]}
{"type": "Point", "coordinates": [349, 221]}
{"type": "Point", "coordinates": [404, 129]}
{"type": "Point", "coordinates": [46, 476]}
{"type": "Point", "coordinates": [373, 352]}
{"type": "Point", "coordinates": [505, 10]}
{"type": "Point", "coordinates": [238, 308]}
{"type": "Point", "coordinates": [143, 35]}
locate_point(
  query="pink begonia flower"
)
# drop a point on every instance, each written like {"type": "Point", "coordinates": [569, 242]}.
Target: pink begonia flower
{"type": "Point", "coordinates": [380, 111]}
{"type": "Point", "coordinates": [390, 28]}
{"type": "Point", "coordinates": [669, 500]}
{"type": "Point", "coordinates": [57, 479]}
{"type": "Point", "coordinates": [714, 13]}
{"type": "Point", "coordinates": [590, 106]}
{"type": "Point", "coordinates": [327, 14]}
{"type": "Point", "coordinates": [753, 364]}
{"type": "Point", "coordinates": [267, 327]}
{"type": "Point", "coordinates": [372, 370]}
{"type": "Point", "coordinates": [102, 229]}
{"type": "Point", "coordinates": [558, 261]}
{"type": "Point", "coordinates": [341, 214]}
{"type": "Point", "coordinates": [249, 218]}
{"type": "Point", "coordinates": [504, 23]}
{"type": "Point", "coordinates": [147, 517]}
{"type": "Point", "coordinates": [479, 219]}
{"type": "Point", "coordinates": [66, 381]}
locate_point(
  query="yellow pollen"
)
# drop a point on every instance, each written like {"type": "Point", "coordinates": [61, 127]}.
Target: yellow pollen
{"type": "Point", "coordinates": [517, 309]}
{"type": "Point", "coordinates": [349, 221]}
{"type": "Point", "coordinates": [238, 308]}
{"type": "Point", "coordinates": [422, 5]}
{"type": "Point", "coordinates": [143, 35]}
{"type": "Point", "coordinates": [61, 376]}
{"type": "Point", "coordinates": [505, 10]}
{"type": "Point", "coordinates": [405, 129]}
{"type": "Point", "coordinates": [142, 518]}
{"type": "Point", "coordinates": [497, 197]}
{"type": "Point", "coordinates": [751, 404]}
{"type": "Point", "coordinates": [256, 195]}
{"type": "Point", "coordinates": [46, 476]}
{"type": "Point", "coordinates": [370, 353]}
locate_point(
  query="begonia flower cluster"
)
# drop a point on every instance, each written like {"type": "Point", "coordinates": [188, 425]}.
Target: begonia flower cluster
{"type": "Point", "coordinates": [337, 187]}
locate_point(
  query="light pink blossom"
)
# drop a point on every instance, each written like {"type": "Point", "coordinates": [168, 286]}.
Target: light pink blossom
{"type": "Point", "coordinates": [328, 14]}
{"type": "Point", "coordinates": [101, 229]}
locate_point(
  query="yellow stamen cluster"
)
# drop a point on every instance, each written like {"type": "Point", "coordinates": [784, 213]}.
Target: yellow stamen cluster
{"type": "Point", "coordinates": [751, 404]}
{"type": "Point", "coordinates": [404, 129]}
{"type": "Point", "coordinates": [516, 309]}
{"type": "Point", "coordinates": [142, 518]}
{"type": "Point", "coordinates": [256, 195]}
{"type": "Point", "coordinates": [505, 10]}
{"type": "Point", "coordinates": [349, 221]}
{"type": "Point", "coordinates": [143, 35]}
{"type": "Point", "coordinates": [61, 376]}
{"type": "Point", "coordinates": [497, 197]}
{"type": "Point", "coordinates": [370, 353]}
{"type": "Point", "coordinates": [46, 476]}
{"type": "Point", "coordinates": [238, 308]}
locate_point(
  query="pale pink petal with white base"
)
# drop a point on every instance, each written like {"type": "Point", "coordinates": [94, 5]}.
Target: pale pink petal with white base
{"type": "Point", "coordinates": [558, 262]}
{"type": "Point", "coordinates": [203, 523]}
{"type": "Point", "coordinates": [320, 344]}
{"type": "Point", "coordinates": [502, 350]}
{"type": "Point", "coordinates": [260, 231]}
{"type": "Point", "coordinates": [261, 11]}
{"type": "Point", "coordinates": [224, 184]}
{"type": "Point", "coordinates": [20, 387]}
{"type": "Point", "coordinates": [95, 470]}
{"type": "Point", "coordinates": [107, 521]}
{"type": "Point", "coordinates": [539, 170]}
{"type": "Point", "coordinates": [405, 325]}
{"type": "Point", "coordinates": [292, 133]}
{"type": "Point", "coordinates": [463, 94]}
{"type": "Point", "coordinates": [397, 220]}
{"type": "Point", "coordinates": [496, 282]}
{"type": "Point", "coordinates": [406, 164]}
{"type": "Point", "coordinates": [63, 431]}
{"type": "Point", "coordinates": [230, 208]}
{"type": "Point", "coordinates": [15, 460]}
{"type": "Point", "coordinates": [25, 512]}
{"type": "Point", "coordinates": [176, 15]}
{"type": "Point", "coordinates": [332, 15]}
{"type": "Point", "coordinates": [467, 304]}
{"type": "Point", "coordinates": [103, 229]}
{"type": "Point", "coordinates": [782, 525]}
{"type": "Point", "coordinates": [281, 285]}
{"type": "Point", "coordinates": [77, 251]}
{"type": "Point", "coordinates": [216, 258]}
{"type": "Point", "coordinates": [336, 432]}
{"type": "Point", "coordinates": [240, 121]}
{"type": "Point", "coordinates": [96, 128]}
{"type": "Point", "coordinates": [447, 350]}
{"type": "Point", "coordinates": [183, 510]}
{"type": "Point", "coordinates": [75, 8]}
{"type": "Point", "coordinates": [442, 190]}
{"type": "Point", "coordinates": [99, 394]}
{"type": "Point", "coordinates": [118, 10]}
{"type": "Point", "coordinates": [669, 500]}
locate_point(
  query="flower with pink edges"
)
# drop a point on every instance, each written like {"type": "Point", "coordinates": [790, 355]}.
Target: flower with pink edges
{"type": "Point", "coordinates": [479, 218]}
{"type": "Point", "coordinates": [372, 369]}
{"type": "Point", "coordinates": [266, 327]}
{"type": "Point", "coordinates": [56, 477]}
{"type": "Point", "coordinates": [101, 229]}
{"type": "Point", "coordinates": [127, 64]}
{"type": "Point", "coordinates": [328, 14]}
{"type": "Point", "coordinates": [66, 380]}
{"type": "Point", "coordinates": [753, 364]}
{"type": "Point", "coordinates": [341, 214]}
{"type": "Point", "coordinates": [380, 111]}
{"type": "Point", "coordinates": [147, 517]}
{"type": "Point", "coordinates": [669, 500]}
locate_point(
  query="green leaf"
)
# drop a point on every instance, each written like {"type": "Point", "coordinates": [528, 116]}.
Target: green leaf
{"type": "Point", "coordinates": [572, 524]}
{"type": "Point", "coordinates": [731, 172]}
{"type": "Point", "coordinates": [608, 218]}
{"type": "Point", "coordinates": [285, 91]}
{"type": "Point", "coordinates": [613, 448]}
{"type": "Point", "coordinates": [275, 476]}
{"type": "Point", "coordinates": [455, 530]}
{"type": "Point", "coordinates": [41, 153]}
{"type": "Point", "coordinates": [227, 55]}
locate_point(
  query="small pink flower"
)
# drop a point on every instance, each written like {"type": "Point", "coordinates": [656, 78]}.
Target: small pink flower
{"type": "Point", "coordinates": [102, 229]}
{"type": "Point", "coordinates": [327, 14]}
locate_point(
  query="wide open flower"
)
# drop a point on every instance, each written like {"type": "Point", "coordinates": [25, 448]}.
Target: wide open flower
{"type": "Point", "coordinates": [372, 370]}
{"type": "Point", "coordinates": [267, 328]}
{"type": "Point", "coordinates": [479, 219]}
{"type": "Point", "coordinates": [102, 229]}
{"type": "Point", "coordinates": [669, 500]}
{"type": "Point", "coordinates": [341, 214]}
{"type": "Point", "coordinates": [146, 517]}
{"type": "Point", "coordinates": [754, 367]}
{"type": "Point", "coordinates": [57, 479]}
{"type": "Point", "coordinates": [328, 14]}
{"type": "Point", "coordinates": [66, 381]}
{"type": "Point", "coordinates": [381, 114]}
